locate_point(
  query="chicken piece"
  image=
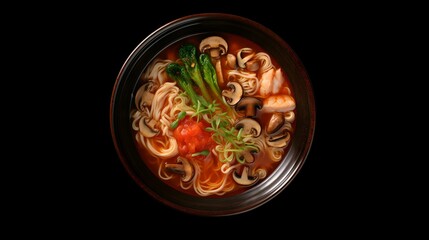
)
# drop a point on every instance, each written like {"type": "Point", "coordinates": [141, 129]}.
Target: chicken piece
{"type": "Point", "coordinates": [266, 86]}
{"type": "Point", "coordinates": [278, 81]}
{"type": "Point", "coordinates": [279, 103]}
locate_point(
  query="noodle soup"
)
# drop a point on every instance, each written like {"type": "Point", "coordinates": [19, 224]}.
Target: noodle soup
{"type": "Point", "coordinates": [213, 115]}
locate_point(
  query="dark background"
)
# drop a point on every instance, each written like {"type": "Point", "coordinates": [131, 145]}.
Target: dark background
{"type": "Point", "coordinates": [80, 183]}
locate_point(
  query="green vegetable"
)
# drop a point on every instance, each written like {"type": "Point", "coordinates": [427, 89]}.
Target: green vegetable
{"type": "Point", "coordinates": [209, 75]}
{"type": "Point", "coordinates": [180, 116]}
{"type": "Point", "coordinates": [188, 55]}
{"type": "Point", "coordinates": [209, 109]}
{"type": "Point", "coordinates": [202, 153]}
{"type": "Point", "coordinates": [181, 76]}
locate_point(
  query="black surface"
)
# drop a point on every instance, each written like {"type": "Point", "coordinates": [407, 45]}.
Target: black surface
{"type": "Point", "coordinates": [86, 181]}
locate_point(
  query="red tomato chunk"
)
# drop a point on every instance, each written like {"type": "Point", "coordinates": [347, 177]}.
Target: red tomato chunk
{"type": "Point", "coordinates": [192, 137]}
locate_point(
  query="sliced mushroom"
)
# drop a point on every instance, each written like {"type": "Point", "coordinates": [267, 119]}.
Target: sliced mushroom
{"type": "Point", "coordinates": [215, 46]}
{"type": "Point", "coordinates": [249, 105]}
{"type": "Point", "coordinates": [245, 179]}
{"type": "Point", "coordinates": [233, 93]}
{"type": "Point", "coordinates": [250, 127]}
{"type": "Point", "coordinates": [276, 122]}
{"type": "Point", "coordinates": [183, 167]}
{"type": "Point", "coordinates": [247, 156]}
{"type": "Point", "coordinates": [145, 94]}
{"type": "Point", "coordinates": [280, 137]}
{"type": "Point", "coordinates": [147, 127]}
{"type": "Point", "coordinates": [281, 130]}
{"type": "Point", "coordinates": [278, 141]}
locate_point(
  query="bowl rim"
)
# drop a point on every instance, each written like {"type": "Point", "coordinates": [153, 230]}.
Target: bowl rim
{"type": "Point", "coordinates": [188, 19]}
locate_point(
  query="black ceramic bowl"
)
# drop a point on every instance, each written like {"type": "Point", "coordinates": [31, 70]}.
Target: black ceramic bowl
{"type": "Point", "coordinates": [199, 26]}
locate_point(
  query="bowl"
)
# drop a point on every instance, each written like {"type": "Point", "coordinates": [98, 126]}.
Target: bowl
{"type": "Point", "coordinates": [212, 114]}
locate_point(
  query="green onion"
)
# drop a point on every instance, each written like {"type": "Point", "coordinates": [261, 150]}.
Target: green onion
{"type": "Point", "coordinates": [180, 116]}
{"type": "Point", "coordinates": [174, 124]}
{"type": "Point", "coordinates": [202, 153]}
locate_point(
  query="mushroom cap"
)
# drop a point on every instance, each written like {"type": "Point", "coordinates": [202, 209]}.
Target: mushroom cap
{"type": "Point", "coordinates": [249, 104]}
{"type": "Point", "coordinates": [245, 179]}
{"type": "Point", "coordinates": [250, 126]}
{"type": "Point", "coordinates": [276, 122]}
{"type": "Point", "coordinates": [214, 42]}
{"type": "Point", "coordinates": [247, 156]}
{"type": "Point", "coordinates": [145, 94]}
{"type": "Point", "coordinates": [188, 169]}
{"type": "Point", "coordinates": [279, 141]}
{"type": "Point", "coordinates": [146, 127]}
{"type": "Point", "coordinates": [182, 167]}
{"type": "Point", "coordinates": [233, 93]}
